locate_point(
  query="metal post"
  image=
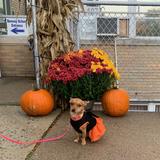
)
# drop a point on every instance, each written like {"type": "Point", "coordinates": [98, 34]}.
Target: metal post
{"type": "Point", "coordinates": [0, 74]}
{"type": "Point", "coordinates": [36, 54]}
{"type": "Point", "coordinates": [132, 19]}
{"type": "Point", "coordinates": [120, 3]}
{"type": "Point", "coordinates": [116, 59]}
{"type": "Point", "coordinates": [78, 36]}
{"type": "Point", "coordinates": [5, 7]}
{"type": "Point", "coordinates": [78, 31]}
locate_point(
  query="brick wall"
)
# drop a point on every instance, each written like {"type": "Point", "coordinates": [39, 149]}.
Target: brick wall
{"type": "Point", "coordinates": [15, 7]}
{"type": "Point", "coordinates": [16, 59]}
{"type": "Point", "coordinates": [139, 67]}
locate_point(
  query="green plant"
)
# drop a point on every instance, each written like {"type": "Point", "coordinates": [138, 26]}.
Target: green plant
{"type": "Point", "coordinates": [86, 74]}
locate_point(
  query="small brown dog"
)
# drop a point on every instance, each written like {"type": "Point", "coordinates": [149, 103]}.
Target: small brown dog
{"type": "Point", "coordinates": [85, 123]}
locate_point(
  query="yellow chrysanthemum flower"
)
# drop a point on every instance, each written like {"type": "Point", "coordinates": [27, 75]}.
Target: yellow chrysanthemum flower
{"type": "Point", "coordinates": [105, 61]}
{"type": "Point", "coordinates": [96, 66]}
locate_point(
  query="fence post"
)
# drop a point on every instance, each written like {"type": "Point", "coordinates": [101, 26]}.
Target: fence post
{"type": "Point", "coordinates": [78, 33]}
{"type": "Point", "coordinates": [151, 107]}
{"type": "Point", "coordinates": [132, 19]}
{"type": "Point", "coordinates": [36, 54]}
{"type": "Point", "coordinates": [116, 58]}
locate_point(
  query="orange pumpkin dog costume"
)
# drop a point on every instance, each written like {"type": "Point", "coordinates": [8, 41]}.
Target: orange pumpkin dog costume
{"type": "Point", "coordinates": [95, 127]}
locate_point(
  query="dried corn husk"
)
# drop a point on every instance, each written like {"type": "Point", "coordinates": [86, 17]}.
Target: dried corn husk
{"type": "Point", "coordinates": [53, 36]}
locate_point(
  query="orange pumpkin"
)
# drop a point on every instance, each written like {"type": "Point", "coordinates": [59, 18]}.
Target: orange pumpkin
{"type": "Point", "coordinates": [37, 102]}
{"type": "Point", "coordinates": [115, 102]}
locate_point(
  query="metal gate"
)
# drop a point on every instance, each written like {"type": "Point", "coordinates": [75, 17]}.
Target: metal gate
{"type": "Point", "coordinates": [130, 34]}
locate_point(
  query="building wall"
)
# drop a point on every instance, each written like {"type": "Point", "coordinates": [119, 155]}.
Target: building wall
{"type": "Point", "coordinates": [140, 70]}
{"type": "Point", "coordinates": [139, 67]}
{"type": "Point", "coordinates": [138, 64]}
{"type": "Point", "coordinates": [15, 7]}
{"type": "Point", "coordinates": [16, 59]}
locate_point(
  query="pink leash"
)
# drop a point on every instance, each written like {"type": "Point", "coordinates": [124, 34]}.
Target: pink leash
{"type": "Point", "coordinates": [35, 141]}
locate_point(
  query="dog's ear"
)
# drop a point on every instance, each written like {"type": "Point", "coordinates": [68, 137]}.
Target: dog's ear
{"type": "Point", "coordinates": [85, 103]}
{"type": "Point", "coordinates": [70, 99]}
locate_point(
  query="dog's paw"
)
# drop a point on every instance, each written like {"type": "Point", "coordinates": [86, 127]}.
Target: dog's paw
{"type": "Point", "coordinates": [76, 140]}
{"type": "Point", "coordinates": [83, 143]}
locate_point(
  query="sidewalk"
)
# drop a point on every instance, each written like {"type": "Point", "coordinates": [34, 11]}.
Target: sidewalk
{"type": "Point", "coordinates": [11, 88]}
{"type": "Point", "coordinates": [15, 124]}
{"type": "Point", "coordinates": [133, 137]}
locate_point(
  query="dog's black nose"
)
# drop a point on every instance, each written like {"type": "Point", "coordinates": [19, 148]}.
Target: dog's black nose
{"type": "Point", "coordinates": [73, 110]}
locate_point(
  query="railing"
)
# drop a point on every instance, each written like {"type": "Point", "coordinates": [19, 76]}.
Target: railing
{"type": "Point", "coordinates": [120, 3]}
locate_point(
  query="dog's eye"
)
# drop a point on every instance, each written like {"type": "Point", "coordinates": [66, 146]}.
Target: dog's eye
{"type": "Point", "coordinates": [79, 105]}
{"type": "Point", "coordinates": [71, 104]}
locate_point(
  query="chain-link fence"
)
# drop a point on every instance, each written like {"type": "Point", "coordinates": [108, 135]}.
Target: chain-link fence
{"type": "Point", "coordinates": [130, 38]}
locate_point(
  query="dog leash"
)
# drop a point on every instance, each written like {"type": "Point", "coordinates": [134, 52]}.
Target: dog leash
{"type": "Point", "coordinates": [35, 141]}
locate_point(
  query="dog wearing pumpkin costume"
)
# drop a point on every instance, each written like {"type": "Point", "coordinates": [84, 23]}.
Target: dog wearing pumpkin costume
{"type": "Point", "coordinates": [85, 123]}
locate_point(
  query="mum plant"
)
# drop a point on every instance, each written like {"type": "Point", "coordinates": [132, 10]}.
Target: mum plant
{"type": "Point", "coordinates": [85, 74]}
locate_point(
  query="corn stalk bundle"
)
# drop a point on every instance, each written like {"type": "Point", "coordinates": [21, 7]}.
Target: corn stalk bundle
{"type": "Point", "coordinates": [53, 37]}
